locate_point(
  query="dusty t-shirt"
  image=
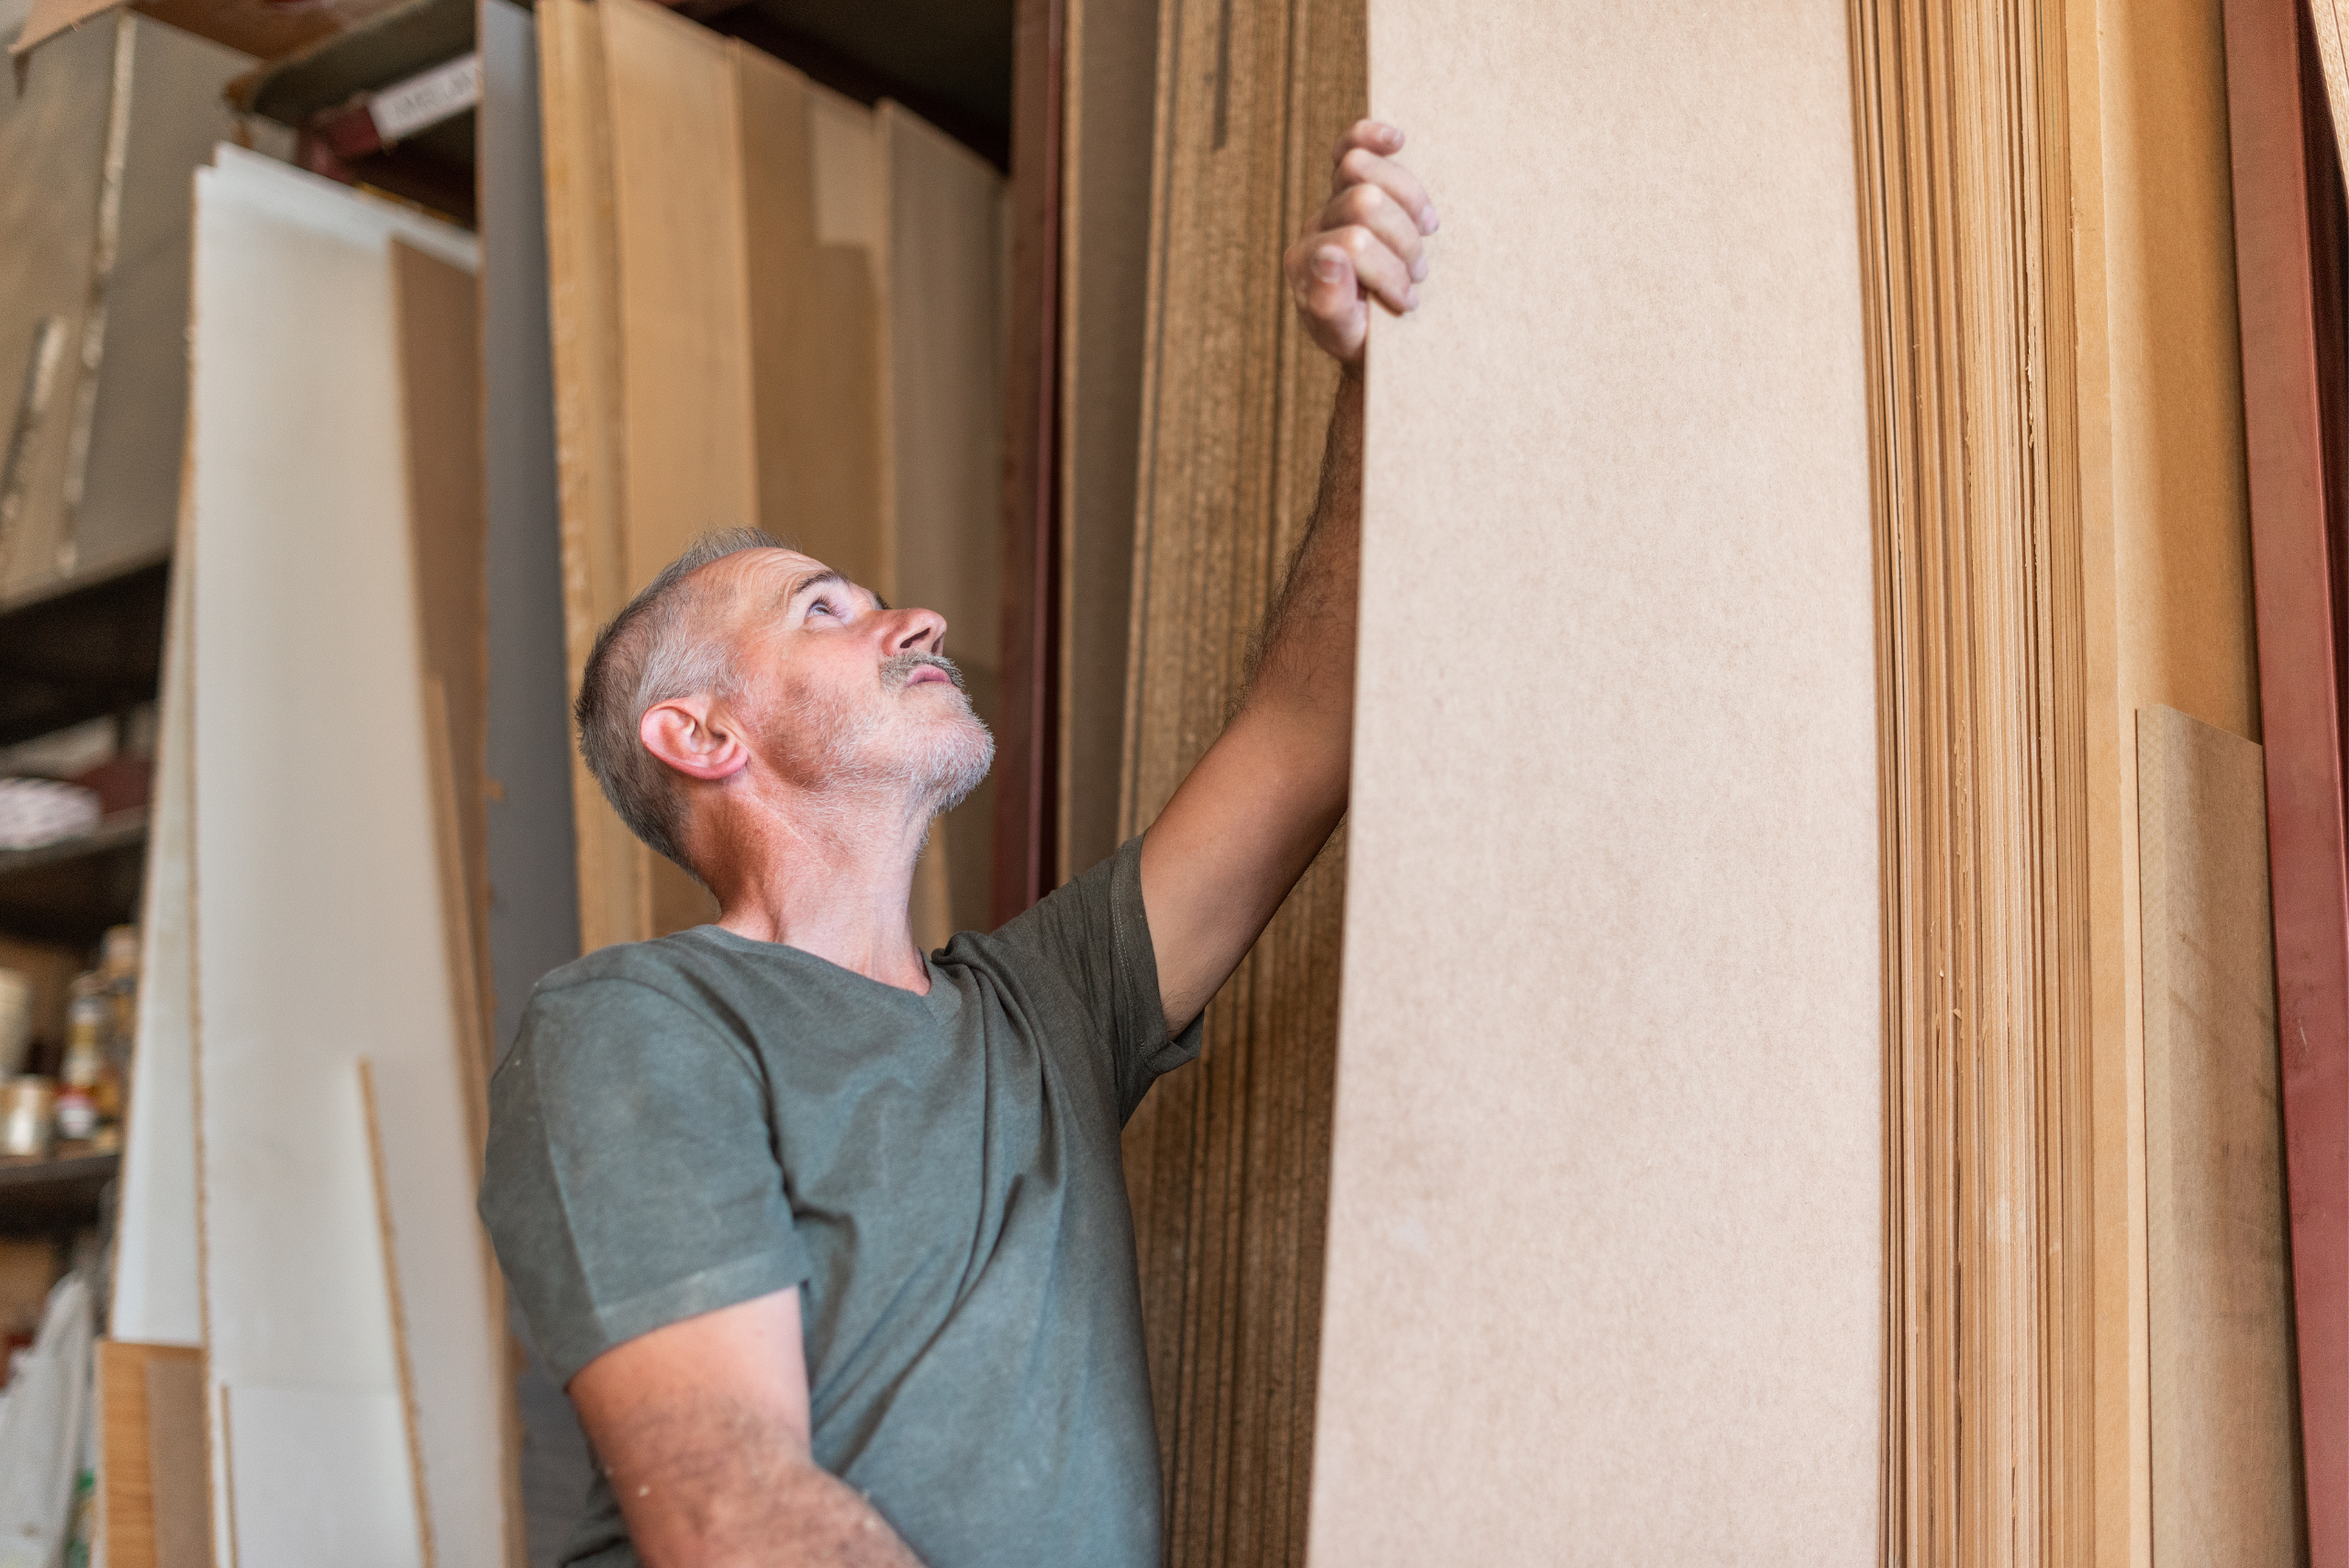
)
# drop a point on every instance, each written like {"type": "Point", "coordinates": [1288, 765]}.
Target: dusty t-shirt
{"type": "Point", "coordinates": [689, 1123]}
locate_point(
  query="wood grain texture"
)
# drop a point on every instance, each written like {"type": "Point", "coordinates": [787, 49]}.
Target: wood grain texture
{"type": "Point", "coordinates": [2226, 1480]}
{"type": "Point", "coordinates": [2289, 253]}
{"type": "Point", "coordinates": [153, 1497]}
{"type": "Point", "coordinates": [1988, 1334]}
{"type": "Point", "coordinates": [583, 270]}
{"type": "Point", "coordinates": [1228, 1163]}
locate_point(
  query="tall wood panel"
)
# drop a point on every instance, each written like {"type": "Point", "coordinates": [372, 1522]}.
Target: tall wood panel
{"type": "Point", "coordinates": [1966, 182]}
{"type": "Point", "coordinates": [1228, 1163]}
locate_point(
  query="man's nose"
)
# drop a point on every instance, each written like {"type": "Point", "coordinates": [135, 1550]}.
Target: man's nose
{"type": "Point", "coordinates": [918, 632]}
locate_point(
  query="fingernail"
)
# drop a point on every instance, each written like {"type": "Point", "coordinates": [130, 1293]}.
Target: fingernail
{"type": "Point", "coordinates": [1328, 266]}
{"type": "Point", "coordinates": [1412, 298]}
{"type": "Point", "coordinates": [1428, 222]}
{"type": "Point", "coordinates": [1418, 269]}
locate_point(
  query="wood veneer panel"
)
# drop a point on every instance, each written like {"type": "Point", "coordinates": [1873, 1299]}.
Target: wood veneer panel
{"type": "Point", "coordinates": [152, 1466]}
{"type": "Point", "coordinates": [2288, 286]}
{"type": "Point", "coordinates": [1227, 1162]}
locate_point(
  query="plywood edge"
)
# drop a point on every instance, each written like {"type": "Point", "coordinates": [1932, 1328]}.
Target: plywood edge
{"type": "Point", "coordinates": [582, 266]}
{"type": "Point", "coordinates": [410, 1419]}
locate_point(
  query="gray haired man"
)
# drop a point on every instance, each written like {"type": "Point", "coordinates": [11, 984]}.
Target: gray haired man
{"type": "Point", "coordinates": [829, 1238]}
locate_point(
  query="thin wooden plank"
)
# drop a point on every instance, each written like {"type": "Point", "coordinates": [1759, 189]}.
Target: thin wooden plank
{"type": "Point", "coordinates": [126, 1483]}
{"type": "Point", "coordinates": [176, 1457]}
{"type": "Point", "coordinates": [435, 315]}
{"type": "Point", "coordinates": [2226, 1451]}
{"type": "Point", "coordinates": [583, 270]}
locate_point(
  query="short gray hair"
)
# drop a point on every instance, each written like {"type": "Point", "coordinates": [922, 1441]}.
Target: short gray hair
{"type": "Point", "coordinates": [658, 649]}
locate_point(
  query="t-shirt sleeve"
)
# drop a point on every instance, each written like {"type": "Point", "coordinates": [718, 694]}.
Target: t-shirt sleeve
{"type": "Point", "coordinates": [1095, 935]}
{"type": "Point", "coordinates": [630, 1180]}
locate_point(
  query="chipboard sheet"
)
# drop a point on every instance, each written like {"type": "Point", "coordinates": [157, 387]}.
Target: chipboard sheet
{"type": "Point", "coordinates": [2226, 1461]}
{"type": "Point", "coordinates": [1605, 1229]}
{"type": "Point", "coordinates": [320, 929]}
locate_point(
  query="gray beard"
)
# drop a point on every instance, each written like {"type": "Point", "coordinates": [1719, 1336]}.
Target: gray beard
{"type": "Point", "coordinates": [833, 744]}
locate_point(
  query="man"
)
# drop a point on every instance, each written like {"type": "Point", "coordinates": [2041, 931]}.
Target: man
{"type": "Point", "coordinates": [831, 1239]}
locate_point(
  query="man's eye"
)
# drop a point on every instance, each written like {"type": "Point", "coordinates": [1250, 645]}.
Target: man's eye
{"type": "Point", "coordinates": [823, 605]}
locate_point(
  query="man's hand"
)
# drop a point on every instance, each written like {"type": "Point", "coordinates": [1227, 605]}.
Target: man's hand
{"type": "Point", "coordinates": [702, 1427]}
{"type": "Point", "coordinates": [1268, 794]}
{"type": "Point", "coordinates": [1366, 244]}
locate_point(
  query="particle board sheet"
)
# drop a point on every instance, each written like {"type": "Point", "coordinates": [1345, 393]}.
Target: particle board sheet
{"type": "Point", "coordinates": [1227, 1162]}
{"type": "Point", "coordinates": [945, 246]}
{"type": "Point", "coordinates": [324, 940]}
{"type": "Point", "coordinates": [2226, 1478]}
{"type": "Point", "coordinates": [156, 1295]}
{"type": "Point", "coordinates": [1605, 1230]}
{"type": "Point", "coordinates": [152, 1496]}
{"type": "Point", "coordinates": [1108, 114]}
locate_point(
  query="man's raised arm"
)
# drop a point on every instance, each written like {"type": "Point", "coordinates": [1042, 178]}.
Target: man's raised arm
{"type": "Point", "coordinates": [1260, 804]}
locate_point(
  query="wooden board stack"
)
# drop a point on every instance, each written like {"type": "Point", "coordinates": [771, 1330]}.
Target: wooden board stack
{"type": "Point", "coordinates": [1227, 1164]}
{"type": "Point", "coordinates": [741, 334]}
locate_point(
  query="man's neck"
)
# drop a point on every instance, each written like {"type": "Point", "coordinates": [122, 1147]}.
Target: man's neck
{"type": "Point", "coordinates": [833, 878]}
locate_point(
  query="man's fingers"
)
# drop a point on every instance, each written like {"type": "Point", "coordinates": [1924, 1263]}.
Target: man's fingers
{"type": "Point", "coordinates": [1321, 279]}
{"type": "Point", "coordinates": [1381, 274]}
{"type": "Point", "coordinates": [1369, 206]}
{"type": "Point", "coordinates": [1360, 168]}
{"type": "Point", "coordinates": [1374, 136]}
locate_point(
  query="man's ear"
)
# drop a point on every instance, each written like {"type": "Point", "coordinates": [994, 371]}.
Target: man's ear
{"type": "Point", "coordinates": [693, 736]}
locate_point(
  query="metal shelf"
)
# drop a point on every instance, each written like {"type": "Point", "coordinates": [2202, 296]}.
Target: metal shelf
{"type": "Point", "coordinates": [39, 1195]}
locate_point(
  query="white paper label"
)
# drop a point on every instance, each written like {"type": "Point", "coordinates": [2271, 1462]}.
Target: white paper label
{"type": "Point", "coordinates": [405, 108]}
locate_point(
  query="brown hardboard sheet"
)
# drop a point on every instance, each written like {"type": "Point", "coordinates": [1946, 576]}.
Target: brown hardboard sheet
{"type": "Point", "coordinates": [441, 428]}
{"type": "Point", "coordinates": [1107, 116]}
{"type": "Point", "coordinates": [944, 252]}
{"type": "Point", "coordinates": [1227, 1162]}
{"type": "Point", "coordinates": [1604, 1232]}
{"type": "Point", "coordinates": [154, 1497]}
{"type": "Point", "coordinates": [2226, 1471]}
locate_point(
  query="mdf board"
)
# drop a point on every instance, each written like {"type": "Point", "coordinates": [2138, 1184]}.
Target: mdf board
{"type": "Point", "coordinates": [1605, 1217]}
{"type": "Point", "coordinates": [322, 909]}
{"type": "Point", "coordinates": [1106, 120]}
{"type": "Point", "coordinates": [1226, 1163]}
{"type": "Point", "coordinates": [151, 1498]}
{"type": "Point", "coordinates": [945, 237]}
{"type": "Point", "coordinates": [156, 1296]}
{"type": "Point", "coordinates": [2226, 1470]}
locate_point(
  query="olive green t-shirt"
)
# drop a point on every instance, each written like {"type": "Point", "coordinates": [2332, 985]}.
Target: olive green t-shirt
{"type": "Point", "coordinates": [689, 1123]}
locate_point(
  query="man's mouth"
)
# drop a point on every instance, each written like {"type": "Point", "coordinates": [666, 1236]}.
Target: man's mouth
{"type": "Point", "coordinates": [905, 670]}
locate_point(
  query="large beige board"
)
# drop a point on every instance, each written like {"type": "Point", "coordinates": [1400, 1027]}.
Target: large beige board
{"type": "Point", "coordinates": [1604, 1259]}
{"type": "Point", "coordinates": [2225, 1432]}
{"type": "Point", "coordinates": [321, 921]}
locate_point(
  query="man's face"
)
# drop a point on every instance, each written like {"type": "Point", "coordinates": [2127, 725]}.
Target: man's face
{"type": "Point", "coordinates": [836, 691]}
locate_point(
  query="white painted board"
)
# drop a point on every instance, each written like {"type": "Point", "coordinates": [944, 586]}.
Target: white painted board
{"type": "Point", "coordinates": [317, 909]}
{"type": "Point", "coordinates": [156, 1299]}
{"type": "Point", "coordinates": [1604, 1273]}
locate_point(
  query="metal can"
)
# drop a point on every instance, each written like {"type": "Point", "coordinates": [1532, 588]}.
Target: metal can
{"type": "Point", "coordinates": [26, 1104]}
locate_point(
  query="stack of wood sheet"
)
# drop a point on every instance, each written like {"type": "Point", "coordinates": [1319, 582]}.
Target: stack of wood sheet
{"type": "Point", "coordinates": [773, 308]}
{"type": "Point", "coordinates": [93, 381]}
{"type": "Point", "coordinates": [342, 1286]}
{"type": "Point", "coordinates": [1227, 1164]}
